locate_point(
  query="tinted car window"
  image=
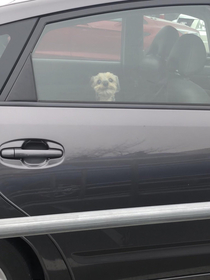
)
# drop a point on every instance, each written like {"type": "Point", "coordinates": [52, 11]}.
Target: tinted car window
{"type": "Point", "coordinates": [140, 56]}
{"type": "Point", "coordinates": [197, 24]}
{"type": "Point", "coordinates": [4, 40]}
{"type": "Point", "coordinates": [13, 37]}
{"type": "Point", "coordinates": [99, 40]}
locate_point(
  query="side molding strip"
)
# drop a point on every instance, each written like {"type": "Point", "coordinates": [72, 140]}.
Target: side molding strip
{"type": "Point", "coordinates": [92, 220]}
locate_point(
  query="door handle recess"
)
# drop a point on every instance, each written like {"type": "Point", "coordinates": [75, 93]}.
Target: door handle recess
{"type": "Point", "coordinates": [18, 153]}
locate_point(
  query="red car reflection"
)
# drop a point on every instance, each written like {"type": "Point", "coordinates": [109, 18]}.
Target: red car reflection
{"type": "Point", "coordinates": [97, 40]}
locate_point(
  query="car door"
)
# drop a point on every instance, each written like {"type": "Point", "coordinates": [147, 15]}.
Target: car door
{"type": "Point", "coordinates": [63, 150]}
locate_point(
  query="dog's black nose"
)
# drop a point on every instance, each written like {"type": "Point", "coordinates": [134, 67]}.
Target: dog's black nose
{"type": "Point", "coordinates": [105, 83]}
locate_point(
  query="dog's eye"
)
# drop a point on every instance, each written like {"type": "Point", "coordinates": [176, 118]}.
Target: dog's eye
{"type": "Point", "coordinates": [111, 80]}
{"type": "Point", "coordinates": [98, 82]}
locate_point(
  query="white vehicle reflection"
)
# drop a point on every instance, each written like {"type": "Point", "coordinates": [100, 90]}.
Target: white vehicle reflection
{"type": "Point", "coordinates": [197, 24]}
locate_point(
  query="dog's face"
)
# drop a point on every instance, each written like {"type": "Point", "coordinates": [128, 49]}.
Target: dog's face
{"type": "Point", "coordinates": [105, 86]}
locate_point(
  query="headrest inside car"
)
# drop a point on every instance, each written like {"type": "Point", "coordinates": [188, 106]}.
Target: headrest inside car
{"type": "Point", "coordinates": [188, 55]}
{"type": "Point", "coordinates": [153, 66]}
{"type": "Point", "coordinates": [163, 42]}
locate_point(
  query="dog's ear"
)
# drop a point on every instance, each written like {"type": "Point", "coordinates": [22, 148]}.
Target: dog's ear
{"type": "Point", "coordinates": [118, 84]}
{"type": "Point", "coordinates": [92, 81]}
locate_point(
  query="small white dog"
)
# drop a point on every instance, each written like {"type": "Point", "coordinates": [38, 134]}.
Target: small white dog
{"type": "Point", "coordinates": [105, 86]}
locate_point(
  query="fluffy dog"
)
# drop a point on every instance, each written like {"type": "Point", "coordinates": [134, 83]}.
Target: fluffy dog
{"type": "Point", "coordinates": [105, 86]}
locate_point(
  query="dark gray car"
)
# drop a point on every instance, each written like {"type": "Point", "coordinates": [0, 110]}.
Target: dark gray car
{"type": "Point", "coordinates": [104, 105]}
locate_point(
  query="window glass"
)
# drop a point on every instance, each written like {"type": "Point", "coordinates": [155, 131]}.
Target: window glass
{"type": "Point", "coordinates": [154, 55]}
{"type": "Point", "coordinates": [194, 23]}
{"type": "Point", "coordinates": [97, 40]}
{"type": "Point", "coordinates": [4, 41]}
{"type": "Point", "coordinates": [185, 24]}
{"type": "Point", "coordinates": [13, 38]}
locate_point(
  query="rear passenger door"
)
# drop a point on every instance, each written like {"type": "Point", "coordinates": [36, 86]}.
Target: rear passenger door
{"type": "Point", "coordinates": [108, 145]}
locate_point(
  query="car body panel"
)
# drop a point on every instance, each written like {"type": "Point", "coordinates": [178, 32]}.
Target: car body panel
{"type": "Point", "coordinates": [24, 10]}
{"type": "Point", "coordinates": [45, 248]}
{"type": "Point", "coordinates": [29, 9]}
{"type": "Point", "coordinates": [100, 145]}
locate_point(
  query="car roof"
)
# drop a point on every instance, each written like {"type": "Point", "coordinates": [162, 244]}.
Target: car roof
{"type": "Point", "coordinates": [9, 2]}
{"type": "Point", "coordinates": [13, 10]}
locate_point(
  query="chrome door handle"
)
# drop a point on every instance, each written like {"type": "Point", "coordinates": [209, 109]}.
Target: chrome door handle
{"type": "Point", "coordinates": [18, 153]}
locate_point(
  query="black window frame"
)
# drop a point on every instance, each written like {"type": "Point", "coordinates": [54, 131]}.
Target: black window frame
{"type": "Point", "coordinates": [19, 33]}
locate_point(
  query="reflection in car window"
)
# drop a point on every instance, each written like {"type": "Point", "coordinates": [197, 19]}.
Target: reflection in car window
{"type": "Point", "coordinates": [4, 41]}
{"type": "Point", "coordinates": [197, 24]}
{"type": "Point", "coordinates": [139, 56]}
{"type": "Point", "coordinates": [99, 40]}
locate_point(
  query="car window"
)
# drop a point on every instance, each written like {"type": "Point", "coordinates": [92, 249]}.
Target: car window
{"type": "Point", "coordinates": [97, 40]}
{"type": "Point", "coordinates": [197, 24]}
{"type": "Point", "coordinates": [158, 22]}
{"type": "Point", "coordinates": [4, 41]}
{"type": "Point", "coordinates": [139, 56]}
{"type": "Point", "coordinates": [13, 37]}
